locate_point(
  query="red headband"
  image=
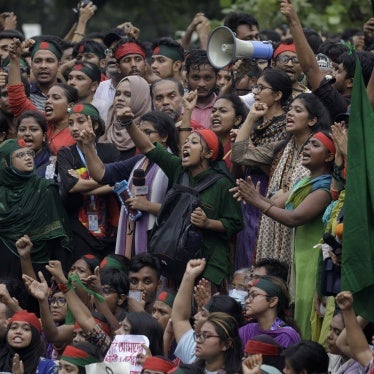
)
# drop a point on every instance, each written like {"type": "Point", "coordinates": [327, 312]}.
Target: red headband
{"type": "Point", "coordinates": [326, 141]}
{"type": "Point", "coordinates": [284, 48]}
{"type": "Point", "coordinates": [253, 347]}
{"type": "Point", "coordinates": [211, 140]}
{"type": "Point", "coordinates": [25, 316]}
{"type": "Point", "coordinates": [128, 49]}
{"type": "Point", "coordinates": [158, 364]}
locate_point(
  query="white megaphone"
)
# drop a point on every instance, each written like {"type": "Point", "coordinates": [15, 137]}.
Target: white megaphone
{"type": "Point", "coordinates": [223, 48]}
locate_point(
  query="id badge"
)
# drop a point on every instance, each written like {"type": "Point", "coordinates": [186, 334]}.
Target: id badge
{"type": "Point", "coordinates": [93, 221]}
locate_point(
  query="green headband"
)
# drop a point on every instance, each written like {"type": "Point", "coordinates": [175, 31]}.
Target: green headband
{"type": "Point", "coordinates": [93, 74]}
{"type": "Point", "coordinates": [111, 263]}
{"type": "Point", "coordinates": [78, 356]}
{"type": "Point", "coordinates": [167, 51]}
{"type": "Point", "coordinates": [87, 109]}
{"type": "Point", "coordinates": [166, 297]}
{"type": "Point", "coordinates": [46, 46]}
{"type": "Point", "coordinates": [269, 287]}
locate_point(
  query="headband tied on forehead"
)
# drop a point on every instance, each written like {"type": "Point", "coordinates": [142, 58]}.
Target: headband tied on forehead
{"type": "Point", "coordinates": [170, 52]}
{"type": "Point", "coordinates": [87, 109]}
{"type": "Point", "coordinates": [326, 141]}
{"type": "Point", "coordinates": [46, 46]}
{"type": "Point", "coordinates": [128, 49]}
{"type": "Point", "coordinates": [211, 140]}
{"type": "Point", "coordinates": [255, 347]}
{"type": "Point", "coordinates": [157, 364]}
{"type": "Point", "coordinates": [93, 73]}
{"type": "Point", "coordinates": [166, 297]}
{"type": "Point", "coordinates": [25, 316]}
{"type": "Point", "coordinates": [78, 356]}
{"type": "Point", "coordinates": [269, 287]}
{"type": "Point", "coordinates": [284, 48]}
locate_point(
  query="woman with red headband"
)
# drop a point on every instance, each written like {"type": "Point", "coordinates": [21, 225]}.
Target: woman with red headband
{"type": "Point", "coordinates": [219, 215]}
{"type": "Point", "coordinates": [303, 209]}
{"type": "Point", "coordinates": [23, 342]}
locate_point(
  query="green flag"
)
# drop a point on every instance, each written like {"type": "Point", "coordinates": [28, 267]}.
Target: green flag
{"type": "Point", "coordinates": [358, 240]}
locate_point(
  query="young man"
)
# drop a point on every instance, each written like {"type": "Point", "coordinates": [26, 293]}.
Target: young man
{"type": "Point", "coordinates": [90, 51]}
{"type": "Point", "coordinates": [144, 276]}
{"type": "Point", "coordinates": [202, 77]}
{"type": "Point", "coordinates": [45, 61]}
{"type": "Point", "coordinates": [167, 58]}
{"type": "Point", "coordinates": [244, 25]}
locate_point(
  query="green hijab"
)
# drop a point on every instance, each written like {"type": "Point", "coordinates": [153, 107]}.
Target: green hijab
{"type": "Point", "coordinates": [29, 205]}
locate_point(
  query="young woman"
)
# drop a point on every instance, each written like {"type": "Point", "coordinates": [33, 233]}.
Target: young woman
{"type": "Point", "coordinates": [132, 236]}
{"type": "Point", "coordinates": [268, 302]}
{"type": "Point", "coordinates": [219, 216]}
{"type": "Point", "coordinates": [272, 92]}
{"type": "Point", "coordinates": [92, 207]}
{"type": "Point", "coordinates": [303, 210]}
{"type": "Point", "coordinates": [32, 128]}
{"type": "Point", "coordinates": [218, 345]}
{"type": "Point", "coordinates": [305, 116]}
{"type": "Point", "coordinates": [133, 92]}
{"type": "Point", "coordinates": [59, 97]}
{"type": "Point", "coordinates": [23, 338]}
{"type": "Point", "coordinates": [32, 206]}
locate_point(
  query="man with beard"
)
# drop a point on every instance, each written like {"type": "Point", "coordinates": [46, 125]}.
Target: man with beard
{"type": "Point", "coordinates": [202, 77]}
{"type": "Point", "coordinates": [45, 59]}
{"type": "Point", "coordinates": [286, 59]}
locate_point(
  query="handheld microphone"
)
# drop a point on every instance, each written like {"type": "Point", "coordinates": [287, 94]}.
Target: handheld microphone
{"type": "Point", "coordinates": [138, 181]}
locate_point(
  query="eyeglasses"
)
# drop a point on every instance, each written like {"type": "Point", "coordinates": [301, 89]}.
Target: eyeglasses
{"type": "Point", "coordinates": [258, 88]}
{"type": "Point", "coordinates": [24, 154]}
{"type": "Point", "coordinates": [109, 52]}
{"type": "Point", "coordinates": [285, 59]}
{"type": "Point", "coordinates": [108, 290]}
{"type": "Point", "coordinates": [203, 336]}
{"type": "Point", "coordinates": [59, 301]}
{"type": "Point", "coordinates": [149, 132]}
{"type": "Point", "coordinates": [253, 295]}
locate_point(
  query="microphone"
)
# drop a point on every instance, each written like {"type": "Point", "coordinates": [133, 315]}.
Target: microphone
{"type": "Point", "coordinates": [138, 181]}
{"type": "Point", "coordinates": [123, 192]}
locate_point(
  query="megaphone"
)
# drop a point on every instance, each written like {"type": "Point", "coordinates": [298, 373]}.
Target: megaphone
{"type": "Point", "coordinates": [223, 48]}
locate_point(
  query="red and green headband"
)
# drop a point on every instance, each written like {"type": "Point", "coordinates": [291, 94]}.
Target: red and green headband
{"type": "Point", "coordinates": [78, 356]}
{"type": "Point", "coordinates": [46, 46]}
{"type": "Point", "coordinates": [88, 110]}
{"type": "Point", "coordinates": [169, 52]}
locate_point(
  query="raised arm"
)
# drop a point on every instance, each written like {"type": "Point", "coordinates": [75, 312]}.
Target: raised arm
{"type": "Point", "coordinates": [304, 52]}
{"type": "Point", "coordinates": [181, 312]}
{"type": "Point", "coordinates": [355, 336]}
{"type": "Point", "coordinates": [24, 246]}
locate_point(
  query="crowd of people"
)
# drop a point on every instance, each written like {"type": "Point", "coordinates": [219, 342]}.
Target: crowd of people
{"type": "Point", "coordinates": [83, 115]}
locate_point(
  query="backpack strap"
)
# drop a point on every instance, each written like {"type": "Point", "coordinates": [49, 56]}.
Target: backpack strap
{"type": "Point", "coordinates": [202, 185]}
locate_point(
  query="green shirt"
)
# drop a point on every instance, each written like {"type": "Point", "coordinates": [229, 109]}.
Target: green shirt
{"type": "Point", "coordinates": [217, 203]}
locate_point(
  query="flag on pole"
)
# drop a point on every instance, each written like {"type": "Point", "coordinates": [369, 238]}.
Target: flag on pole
{"type": "Point", "coordinates": [357, 271]}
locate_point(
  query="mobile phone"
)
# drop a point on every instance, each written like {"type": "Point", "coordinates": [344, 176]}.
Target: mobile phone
{"type": "Point", "coordinates": [137, 295]}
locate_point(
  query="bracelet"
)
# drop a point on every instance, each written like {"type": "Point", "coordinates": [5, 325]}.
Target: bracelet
{"type": "Point", "coordinates": [64, 287]}
{"type": "Point", "coordinates": [267, 209]}
{"type": "Point", "coordinates": [184, 128]}
{"type": "Point", "coordinates": [78, 33]}
{"type": "Point", "coordinates": [124, 124]}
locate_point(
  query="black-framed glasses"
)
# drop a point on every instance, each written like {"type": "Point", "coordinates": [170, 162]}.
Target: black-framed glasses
{"type": "Point", "coordinates": [258, 88]}
{"type": "Point", "coordinates": [286, 59]}
{"type": "Point", "coordinates": [203, 336]}
{"type": "Point", "coordinates": [253, 295]}
{"type": "Point", "coordinates": [59, 301]}
{"type": "Point", "coordinates": [149, 132]}
{"type": "Point", "coordinates": [24, 154]}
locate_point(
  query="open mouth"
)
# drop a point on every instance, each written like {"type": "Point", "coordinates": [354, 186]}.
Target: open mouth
{"type": "Point", "coordinates": [48, 110]}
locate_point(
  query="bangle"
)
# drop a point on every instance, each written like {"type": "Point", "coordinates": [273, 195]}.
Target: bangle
{"type": "Point", "coordinates": [78, 33]}
{"type": "Point", "coordinates": [184, 128]}
{"type": "Point", "coordinates": [267, 209]}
